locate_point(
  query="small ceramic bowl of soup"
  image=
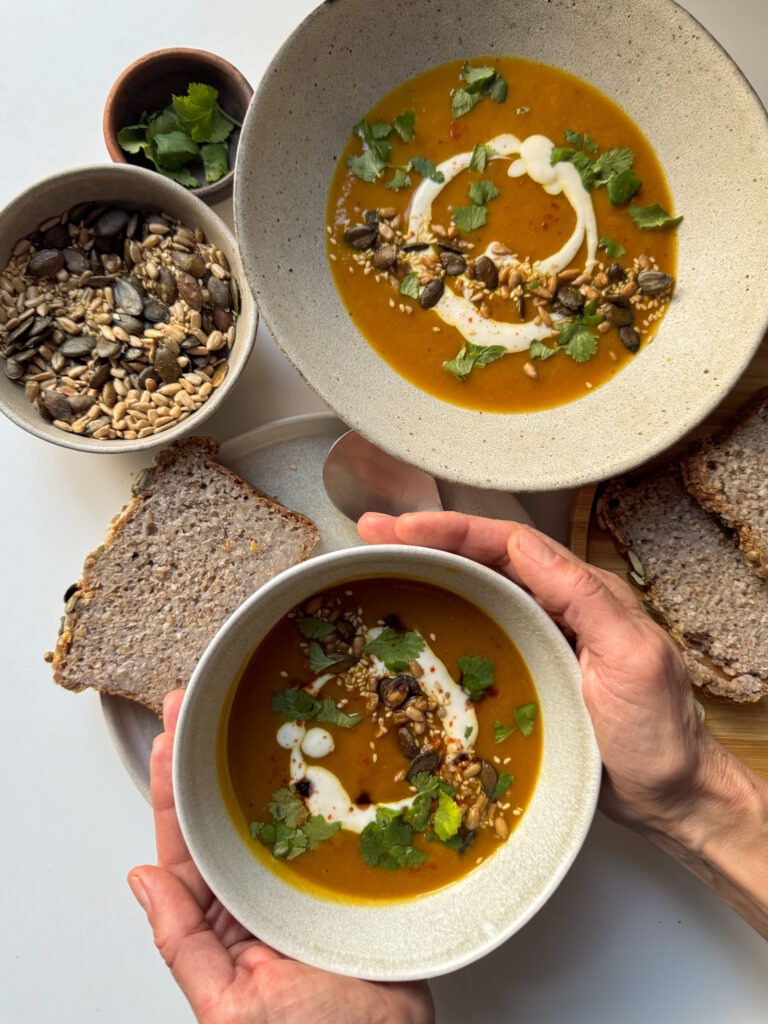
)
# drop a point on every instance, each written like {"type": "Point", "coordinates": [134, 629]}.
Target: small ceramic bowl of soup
{"type": "Point", "coordinates": [383, 764]}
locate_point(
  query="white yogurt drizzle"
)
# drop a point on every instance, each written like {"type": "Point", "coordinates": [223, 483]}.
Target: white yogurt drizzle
{"type": "Point", "coordinates": [534, 154]}
{"type": "Point", "coordinates": [328, 796]}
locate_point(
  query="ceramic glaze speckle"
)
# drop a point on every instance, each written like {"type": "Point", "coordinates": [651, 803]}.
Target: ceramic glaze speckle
{"type": "Point", "coordinates": [720, 188]}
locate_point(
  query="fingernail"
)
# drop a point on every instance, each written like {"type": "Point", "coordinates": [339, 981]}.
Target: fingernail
{"type": "Point", "coordinates": [376, 515]}
{"type": "Point", "coordinates": [535, 547]}
{"type": "Point", "coordinates": [139, 891]}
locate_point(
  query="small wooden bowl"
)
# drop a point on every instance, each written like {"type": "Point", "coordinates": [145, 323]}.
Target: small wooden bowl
{"type": "Point", "coordinates": [148, 84]}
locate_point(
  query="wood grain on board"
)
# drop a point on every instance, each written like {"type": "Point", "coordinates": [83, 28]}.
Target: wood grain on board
{"type": "Point", "coordinates": [741, 728]}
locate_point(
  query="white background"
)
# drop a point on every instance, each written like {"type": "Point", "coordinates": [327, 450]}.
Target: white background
{"type": "Point", "coordinates": [629, 936]}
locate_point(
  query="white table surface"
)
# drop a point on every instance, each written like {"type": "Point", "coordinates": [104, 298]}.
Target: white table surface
{"type": "Point", "coordinates": [628, 937]}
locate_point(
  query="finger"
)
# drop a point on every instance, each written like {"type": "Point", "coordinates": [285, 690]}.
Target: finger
{"type": "Point", "coordinates": [172, 852]}
{"type": "Point", "coordinates": [484, 540]}
{"type": "Point", "coordinates": [199, 962]}
{"type": "Point", "coordinates": [569, 589]}
{"type": "Point", "coordinates": [171, 708]}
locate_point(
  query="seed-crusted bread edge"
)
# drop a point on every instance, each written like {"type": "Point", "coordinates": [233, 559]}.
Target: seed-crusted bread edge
{"type": "Point", "coordinates": [702, 475]}
{"type": "Point", "coordinates": [150, 482]}
{"type": "Point", "coordinates": [707, 671]}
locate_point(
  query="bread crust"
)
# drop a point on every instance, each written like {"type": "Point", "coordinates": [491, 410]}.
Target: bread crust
{"type": "Point", "coordinates": [185, 580]}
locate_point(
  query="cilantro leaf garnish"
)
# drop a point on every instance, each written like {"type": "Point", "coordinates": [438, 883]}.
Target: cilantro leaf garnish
{"type": "Point", "coordinates": [426, 169]}
{"type": "Point", "coordinates": [292, 831]}
{"type": "Point", "coordinates": [386, 842]}
{"type": "Point", "coordinates": [481, 192]}
{"type": "Point", "coordinates": [369, 166]}
{"type": "Point", "coordinates": [319, 661]}
{"type": "Point", "coordinates": [477, 675]}
{"type": "Point", "coordinates": [173, 149]}
{"type": "Point", "coordinates": [612, 249]}
{"type": "Point", "coordinates": [583, 163]}
{"type": "Point", "coordinates": [313, 627]}
{"type": "Point", "coordinates": [215, 160]}
{"type": "Point", "coordinates": [404, 125]}
{"type": "Point", "coordinates": [447, 817]}
{"type": "Point", "coordinates": [410, 285]}
{"type": "Point", "coordinates": [470, 355]}
{"type": "Point", "coordinates": [612, 163]}
{"type": "Point", "coordinates": [462, 101]}
{"type": "Point", "coordinates": [400, 179]}
{"type": "Point", "coordinates": [480, 156]}
{"type": "Point", "coordinates": [287, 806]}
{"type": "Point", "coordinates": [469, 218]}
{"type": "Point", "coordinates": [573, 138]}
{"type": "Point", "coordinates": [374, 136]}
{"type": "Point", "coordinates": [589, 144]}
{"type": "Point", "coordinates": [328, 712]}
{"type": "Point", "coordinates": [538, 350]}
{"type": "Point", "coordinates": [480, 82]}
{"type": "Point", "coordinates": [298, 706]}
{"type": "Point", "coordinates": [396, 650]}
{"type": "Point", "coordinates": [622, 187]}
{"type": "Point", "coordinates": [318, 828]}
{"type": "Point", "coordinates": [197, 110]}
{"type": "Point", "coordinates": [500, 732]}
{"type": "Point", "coordinates": [594, 171]}
{"type": "Point", "coordinates": [647, 217]}
{"type": "Point", "coordinates": [503, 783]}
{"type": "Point", "coordinates": [576, 340]}
{"type": "Point", "coordinates": [524, 717]}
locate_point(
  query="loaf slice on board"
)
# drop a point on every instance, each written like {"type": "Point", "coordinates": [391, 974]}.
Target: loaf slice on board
{"type": "Point", "coordinates": [728, 475]}
{"type": "Point", "coordinates": [696, 580]}
{"type": "Point", "coordinates": [193, 542]}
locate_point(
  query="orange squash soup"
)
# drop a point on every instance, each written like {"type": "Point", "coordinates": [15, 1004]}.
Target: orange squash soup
{"type": "Point", "coordinates": [499, 232]}
{"type": "Point", "coordinates": [383, 740]}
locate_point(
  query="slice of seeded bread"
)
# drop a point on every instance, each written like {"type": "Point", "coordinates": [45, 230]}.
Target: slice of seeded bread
{"type": "Point", "coordinates": [696, 581]}
{"type": "Point", "coordinates": [728, 475]}
{"type": "Point", "coordinates": [193, 542]}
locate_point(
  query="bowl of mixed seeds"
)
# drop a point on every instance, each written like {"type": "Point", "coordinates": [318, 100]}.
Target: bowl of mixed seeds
{"type": "Point", "coordinates": [125, 317]}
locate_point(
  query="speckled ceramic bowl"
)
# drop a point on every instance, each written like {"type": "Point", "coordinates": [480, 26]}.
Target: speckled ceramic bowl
{"type": "Point", "coordinates": [134, 188]}
{"type": "Point", "coordinates": [702, 118]}
{"type": "Point", "coordinates": [448, 928]}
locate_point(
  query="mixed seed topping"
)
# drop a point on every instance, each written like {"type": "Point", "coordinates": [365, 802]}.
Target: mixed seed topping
{"type": "Point", "coordinates": [118, 323]}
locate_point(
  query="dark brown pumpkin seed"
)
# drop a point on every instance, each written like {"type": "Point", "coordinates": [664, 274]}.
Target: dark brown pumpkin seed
{"type": "Point", "coordinates": [453, 263]}
{"type": "Point", "coordinates": [166, 365]}
{"type": "Point", "coordinates": [190, 263]}
{"type": "Point", "coordinates": [189, 290]}
{"type": "Point", "coordinates": [75, 262]}
{"type": "Point", "coordinates": [487, 272]}
{"type": "Point", "coordinates": [56, 237]}
{"type": "Point", "coordinates": [570, 297]}
{"type": "Point", "coordinates": [56, 406]}
{"type": "Point", "coordinates": [414, 247]}
{"type": "Point", "coordinates": [384, 257]}
{"type": "Point", "coordinates": [426, 761]}
{"type": "Point", "coordinates": [156, 311]}
{"type": "Point", "coordinates": [130, 324]}
{"type": "Point", "coordinates": [76, 348]}
{"type": "Point", "coordinates": [651, 282]}
{"type": "Point", "coordinates": [361, 237]}
{"type": "Point", "coordinates": [488, 777]}
{"type": "Point", "coordinates": [394, 690]}
{"type": "Point", "coordinates": [127, 298]}
{"type": "Point", "coordinates": [431, 293]}
{"type": "Point", "coordinates": [407, 743]}
{"type": "Point", "coordinates": [45, 263]}
{"type": "Point", "coordinates": [620, 316]}
{"type": "Point", "coordinates": [629, 338]}
{"type": "Point", "coordinates": [616, 273]}
{"type": "Point", "coordinates": [166, 288]}
{"type": "Point", "coordinates": [218, 292]}
{"type": "Point", "coordinates": [110, 223]}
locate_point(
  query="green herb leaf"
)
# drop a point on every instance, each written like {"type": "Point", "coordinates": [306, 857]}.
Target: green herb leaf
{"type": "Point", "coordinates": [467, 732]}
{"type": "Point", "coordinates": [621, 188]}
{"type": "Point", "coordinates": [309, 625]}
{"type": "Point", "coordinates": [265, 831]}
{"type": "Point", "coordinates": [399, 180]}
{"type": "Point", "coordinates": [410, 285]}
{"type": "Point", "coordinates": [612, 163]}
{"type": "Point", "coordinates": [647, 217]}
{"type": "Point", "coordinates": [173, 150]}
{"type": "Point", "coordinates": [215, 160]}
{"type": "Point", "coordinates": [163, 121]}
{"type": "Point", "coordinates": [295, 705]}
{"type": "Point", "coordinates": [133, 138]}
{"type": "Point", "coordinates": [222, 126]}
{"type": "Point", "coordinates": [589, 144]}
{"type": "Point", "coordinates": [404, 125]}
{"type": "Point", "coordinates": [374, 136]}
{"type": "Point", "coordinates": [426, 169]}
{"type": "Point", "coordinates": [317, 829]}
{"type": "Point", "coordinates": [481, 192]}
{"type": "Point", "coordinates": [524, 717]}
{"type": "Point", "coordinates": [480, 155]}
{"type": "Point", "coordinates": [500, 732]}
{"type": "Point", "coordinates": [287, 806]}
{"type": "Point", "coordinates": [380, 129]}
{"type": "Point", "coordinates": [523, 110]}
{"type": "Point", "coordinates": [477, 675]}
{"type": "Point", "coordinates": [196, 110]}
{"type": "Point", "coordinates": [386, 842]}
{"type": "Point", "coordinates": [369, 166]}
{"type": "Point", "coordinates": [496, 89]}
{"type": "Point", "coordinates": [503, 783]}
{"type": "Point", "coordinates": [462, 101]}
{"type": "Point", "coordinates": [538, 350]}
{"type": "Point", "coordinates": [447, 817]}
{"type": "Point", "coordinates": [469, 218]}
{"type": "Point", "coordinates": [612, 249]}
{"type": "Point", "coordinates": [319, 661]}
{"type": "Point", "coordinates": [577, 340]}
{"type": "Point", "coordinates": [470, 355]}
{"type": "Point", "coordinates": [573, 138]}
{"type": "Point", "coordinates": [476, 78]}
{"type": "Point", "coordinates": [396, 650]}
{"type": "Point", "coordinates": [328, 712]}
{"type": "Point", "coordinates": [183, 175]}
{"type": "Point", "coordinates": [289, 842]}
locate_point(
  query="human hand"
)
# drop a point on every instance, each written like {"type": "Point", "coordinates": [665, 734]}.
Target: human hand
{"type": "Point", "coordinates": [635, 685]}
{"type": "Point", "coordinates": [227, 974]}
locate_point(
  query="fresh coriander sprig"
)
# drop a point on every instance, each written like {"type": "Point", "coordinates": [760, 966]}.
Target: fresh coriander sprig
{"type": "Point", "coordinates": [477, 675]}
{"type": "Point", "coordinates": [478, 82]}
{"type": "Point", "coordinates": [395, 649]}
{"type": "Point", "coordinates": [298, 706]}
{"type": "Point", "coordinates": [470, 356]}
{"type": "Point", "coordinates": [292, 831]}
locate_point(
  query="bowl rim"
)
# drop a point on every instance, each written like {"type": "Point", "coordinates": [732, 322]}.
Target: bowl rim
{"type": "Point", "coordinates": [40, 189]}
{"type": "Point", "coordinates": [215, 191]}
{"type": "Point", "coordinates": [344, 565]}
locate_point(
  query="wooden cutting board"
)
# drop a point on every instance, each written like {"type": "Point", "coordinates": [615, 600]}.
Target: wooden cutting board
{"type": "Point", "coordinates": [741, 728]}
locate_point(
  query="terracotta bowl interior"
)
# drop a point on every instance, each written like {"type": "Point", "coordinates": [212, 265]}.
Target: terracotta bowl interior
{"type": "Point", "coordinates": [453, 926]}
{"type": "Point", "coordinates": [132, 187]}
{"type": "Point", "coordinates": [700, 115]}
{"type": "Point", "coordinates": [148, 84]}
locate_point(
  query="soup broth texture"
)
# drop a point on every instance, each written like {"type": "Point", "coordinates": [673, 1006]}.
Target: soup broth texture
{"type": "Point", "coordinates": [383, 740]}
{"type": "Point", "coordinates": [498, 231]}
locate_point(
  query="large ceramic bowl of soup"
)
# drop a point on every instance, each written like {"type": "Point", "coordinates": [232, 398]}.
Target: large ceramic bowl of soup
{"type": "Point", "coordinates": [383, 764]}
{"type": "Point", "coordinates": [523, 251]}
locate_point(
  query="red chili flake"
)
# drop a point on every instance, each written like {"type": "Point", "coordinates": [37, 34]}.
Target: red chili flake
{"type": "Point", "coordinates": [456, 130]}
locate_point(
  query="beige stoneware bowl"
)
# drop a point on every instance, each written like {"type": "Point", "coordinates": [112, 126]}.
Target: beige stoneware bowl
{"type": "Point", "coordinates": [446, 929]}
{"type": "Point", "coordinates": [703, 120]}
{"type": "Point", "coordinates": [131, 188]}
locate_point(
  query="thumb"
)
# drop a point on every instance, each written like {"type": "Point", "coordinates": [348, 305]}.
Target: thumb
{"type": "Point", "coordinates": [569, 589]}
{"type": "Point", "coordinates": [196, 957]}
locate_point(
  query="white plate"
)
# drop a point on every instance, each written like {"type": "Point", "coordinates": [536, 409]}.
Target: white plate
{"type": "Point", "coordinates": [285, 460]}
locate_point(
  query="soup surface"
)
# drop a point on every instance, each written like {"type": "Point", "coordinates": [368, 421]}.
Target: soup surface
{"type": "Point", "coordinates": [383, 740]}
{"type": "Point", "coordinates": [498, 231]}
